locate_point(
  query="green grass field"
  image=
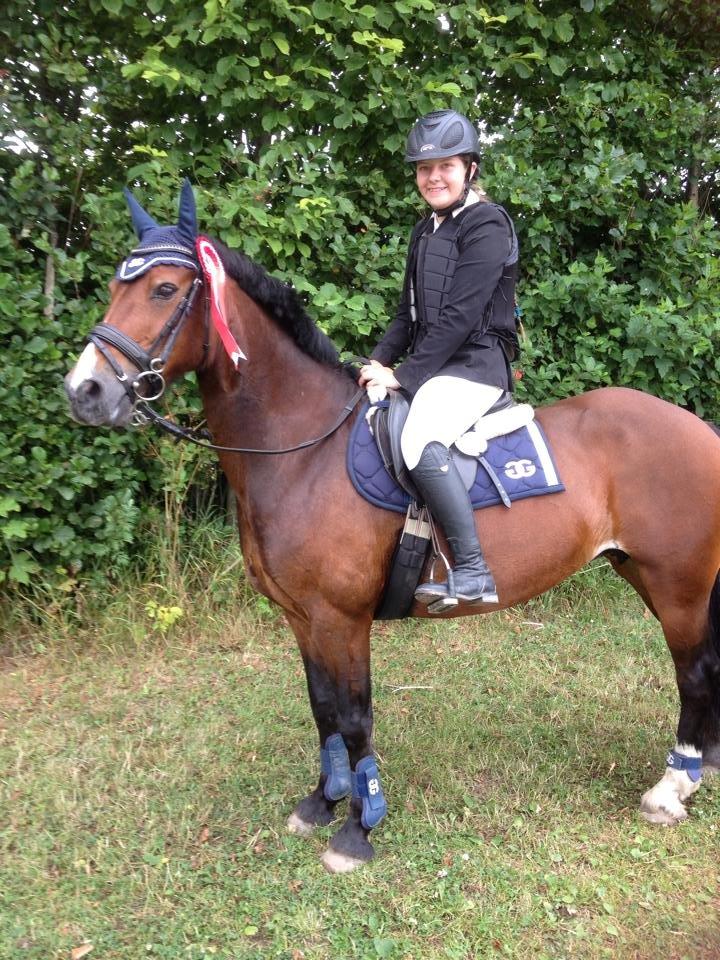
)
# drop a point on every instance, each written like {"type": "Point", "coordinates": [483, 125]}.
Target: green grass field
{"type": "Point", "coordinates": [149, 759]}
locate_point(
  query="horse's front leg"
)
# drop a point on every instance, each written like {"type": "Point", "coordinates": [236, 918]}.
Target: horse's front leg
{"type": "Point", "coordinates": [318, 808]}
{"type": "Point", "coordinates": [336, 654]}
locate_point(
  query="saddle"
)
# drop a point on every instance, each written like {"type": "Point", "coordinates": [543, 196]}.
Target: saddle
{"type": "Point", "coordinates": [515, 447]}
{"type": "Point", "coordinates": [505, 416]}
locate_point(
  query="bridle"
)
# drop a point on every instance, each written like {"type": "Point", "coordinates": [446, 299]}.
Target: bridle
{"type": "Point", "coordinates": [149, 384]}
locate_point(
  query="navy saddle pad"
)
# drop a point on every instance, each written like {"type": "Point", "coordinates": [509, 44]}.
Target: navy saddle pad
{"type": "Point", "coordinates": [521, 459]}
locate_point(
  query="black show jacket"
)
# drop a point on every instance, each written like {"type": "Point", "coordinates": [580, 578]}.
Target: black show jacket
{"type": "Point", "coordinates": [465, 301]}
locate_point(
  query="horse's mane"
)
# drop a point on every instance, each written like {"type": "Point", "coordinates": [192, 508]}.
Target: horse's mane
{"type": "Point", "coordinates": [282, 302]}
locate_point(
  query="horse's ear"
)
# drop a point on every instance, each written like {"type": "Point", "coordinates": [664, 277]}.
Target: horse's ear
{"type": "Point", "coordinates": [141, 221]}
{"type": "Point", "coordinates": [187, 216]}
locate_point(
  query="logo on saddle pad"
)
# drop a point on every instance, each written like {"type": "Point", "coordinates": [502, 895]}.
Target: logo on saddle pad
{"type": "Point", "coordinates": [517, 469]}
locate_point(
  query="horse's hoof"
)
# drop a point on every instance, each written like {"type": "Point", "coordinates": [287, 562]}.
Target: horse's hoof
{"type": "Point", "coordinates": [664, 817]}
{"type": "Point", "coordinates": [335, 862]}
{"type": "Point", "coordinates": [666, 810]}
{"type": "Point", "coordinates": [300, 827]}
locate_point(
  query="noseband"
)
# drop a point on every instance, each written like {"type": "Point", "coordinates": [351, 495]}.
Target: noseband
{"type": "Point", "coordinates": [149, 384]}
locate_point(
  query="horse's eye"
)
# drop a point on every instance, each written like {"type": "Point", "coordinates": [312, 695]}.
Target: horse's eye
{"type": "Point", "coordinates": [164, 291]}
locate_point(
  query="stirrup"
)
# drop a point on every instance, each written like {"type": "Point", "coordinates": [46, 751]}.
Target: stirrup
{"type": "Point", "coordinates": [447, 602]}
{"type": "Point", "coordinates": [442, 605]}
{"type": "Point", "coordinates": [451, 599]}
{"type": "Point", "coordinates": [436, 602]}
{"type": "Point", "coordinates": [439, 604]}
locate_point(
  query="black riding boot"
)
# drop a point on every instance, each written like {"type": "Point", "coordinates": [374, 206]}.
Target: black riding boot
{"type": "Point", "coordinates": [444, 493]}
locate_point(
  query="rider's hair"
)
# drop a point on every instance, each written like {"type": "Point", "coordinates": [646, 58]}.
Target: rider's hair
{"type": "Point", "coordinates": [467, 159]}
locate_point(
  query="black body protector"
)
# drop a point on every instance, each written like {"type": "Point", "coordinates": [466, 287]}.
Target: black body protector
{"type": "Point", "coordinates": [436, 255]}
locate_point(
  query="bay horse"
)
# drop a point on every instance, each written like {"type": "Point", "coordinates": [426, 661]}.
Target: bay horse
{"type": "Point", "coordinates": [642, 482]}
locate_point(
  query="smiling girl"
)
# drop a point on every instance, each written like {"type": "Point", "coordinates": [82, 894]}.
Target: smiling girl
{"type": "Point", "coordinates": [455, 328]}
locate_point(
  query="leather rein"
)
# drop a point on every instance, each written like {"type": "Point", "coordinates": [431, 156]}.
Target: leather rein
{"type": "Point", "coordinates": [150, 375]}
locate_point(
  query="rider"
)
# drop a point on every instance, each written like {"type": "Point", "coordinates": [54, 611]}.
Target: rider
{"type": "Point", "coordinates": [455, 326]}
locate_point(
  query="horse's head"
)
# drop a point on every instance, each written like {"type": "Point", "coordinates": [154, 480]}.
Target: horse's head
{"type": "Point", "coordinates": [153, 329]}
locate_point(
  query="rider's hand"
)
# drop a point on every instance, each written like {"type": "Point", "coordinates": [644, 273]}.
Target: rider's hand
{"type": "Point", "coordinates": [366, 372]}
{"type": "Point", "coordinates": [375, 375]}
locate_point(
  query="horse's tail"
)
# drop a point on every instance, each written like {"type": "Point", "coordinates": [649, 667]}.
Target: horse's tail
{"type": "Point", "coordinates": [714, 616]}
{"type": "Point", "coordinates": [714, 606]}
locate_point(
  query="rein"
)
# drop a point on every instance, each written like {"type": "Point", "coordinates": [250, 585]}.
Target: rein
{"type": "Point", "coordinates": [151, 369]}
{"type": "Point", "coordinates": [182, 433]}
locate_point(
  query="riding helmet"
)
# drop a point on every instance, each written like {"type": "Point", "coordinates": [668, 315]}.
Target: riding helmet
{"type": "Point", "coordinates": [443, 133]}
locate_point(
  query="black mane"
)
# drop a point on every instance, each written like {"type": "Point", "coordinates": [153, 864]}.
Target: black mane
{"type": "Point", "coordinates": [282, 302]}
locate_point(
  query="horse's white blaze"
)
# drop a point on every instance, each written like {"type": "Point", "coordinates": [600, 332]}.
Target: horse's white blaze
{"type": "Point", "coordinates": [663, 803]}
{"type": "Point", "coordinates": [84, 369]}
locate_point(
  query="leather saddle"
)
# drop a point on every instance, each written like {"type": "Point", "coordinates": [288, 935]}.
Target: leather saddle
{"type": "Point", "coordinates": [505, 416]}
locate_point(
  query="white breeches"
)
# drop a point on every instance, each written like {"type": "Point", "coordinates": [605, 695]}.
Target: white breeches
{"type": "Point", "coordinates": [443, 409]}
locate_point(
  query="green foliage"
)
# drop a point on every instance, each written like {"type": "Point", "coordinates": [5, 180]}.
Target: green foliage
{"type": "Point", "coordinates": [600, 122]}
{"type": "Point", "coordinates": [70, 495]}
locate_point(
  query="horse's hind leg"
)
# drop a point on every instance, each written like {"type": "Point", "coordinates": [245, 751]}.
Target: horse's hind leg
{"type": "Point", "coordinates": [711, 739]}
{"type": "Point", "coordinates": [665, 802]}
{"type": "Point", "coordinates": [689, 633]}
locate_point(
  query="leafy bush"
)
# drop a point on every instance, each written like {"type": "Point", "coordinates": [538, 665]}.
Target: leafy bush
{"type": "Point", "coordinates": [601, 138]}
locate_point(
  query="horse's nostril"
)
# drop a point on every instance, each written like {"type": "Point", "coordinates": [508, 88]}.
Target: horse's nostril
{"type": "Point", "coordinates": [89, 390]}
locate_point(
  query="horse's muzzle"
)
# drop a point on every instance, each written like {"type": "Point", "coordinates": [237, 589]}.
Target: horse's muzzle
{"type": "Point", "coordinates": [98, 401]}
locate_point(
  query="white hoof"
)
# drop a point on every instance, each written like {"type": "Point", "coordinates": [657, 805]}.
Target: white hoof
{"type": "Point", "coordinates": [299, 826]}
{"type": "Point", "coordinates": [661, 807]}
{"type": "Point", "coordinates": [335, 862]}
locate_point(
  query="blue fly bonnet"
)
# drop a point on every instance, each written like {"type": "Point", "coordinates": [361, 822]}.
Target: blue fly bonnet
{"type": "Point", "coordinates": [171, 245]}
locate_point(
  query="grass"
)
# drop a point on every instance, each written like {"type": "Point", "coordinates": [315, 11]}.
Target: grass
{"type": "Point", "coordinates": [149, 761]}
